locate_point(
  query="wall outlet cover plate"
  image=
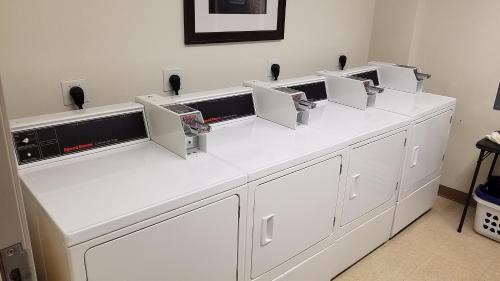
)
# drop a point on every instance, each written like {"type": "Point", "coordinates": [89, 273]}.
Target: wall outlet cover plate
{"type": "Point", "coordinates": [270, 62]}
{"type": "Point", "coordinates": [167, 72]}
{"type": "Point", "coordinates": [67, 85]}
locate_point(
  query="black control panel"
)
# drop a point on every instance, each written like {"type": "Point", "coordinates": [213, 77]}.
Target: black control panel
{"type": "Point", "coordinates": [372, 75]}
{"type": "Point", "coordinates": [314, 91]}
{"type": "Point", "coordinates": [226, 108]}
{"type": "Point", "coordinates": [59, 140]}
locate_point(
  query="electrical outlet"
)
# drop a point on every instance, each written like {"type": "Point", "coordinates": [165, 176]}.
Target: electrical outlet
{"type": "Point", "coordinates": [66, 87]}
{"type": "Point", "coordinates": [270, 62]}
{"type": "Point", "coordinates": [166, 76]}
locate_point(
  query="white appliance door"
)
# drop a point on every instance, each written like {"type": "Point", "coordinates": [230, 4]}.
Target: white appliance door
{"type": "Point", "coordinates": [292, 213]}
{"type": "Point", "coordinates": [426, 148]}
{"type": "Point", "coordinates": [199, 245]}
{"type": "Point", "coordinates": [372, 176]}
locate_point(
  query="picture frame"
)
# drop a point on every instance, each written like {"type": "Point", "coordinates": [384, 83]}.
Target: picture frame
{"type": "Point", "coordinates": [229, 21]}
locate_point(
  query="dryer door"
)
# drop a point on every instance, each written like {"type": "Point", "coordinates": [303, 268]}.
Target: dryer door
{"type": "Point", "coordinates": [292, 213]}
{"type": "Point", "coordinates": [199, 245]}
{"type": "Point", "coordinates": [373, 175]}
{"type": "Point", "coordinates": [426, 148]}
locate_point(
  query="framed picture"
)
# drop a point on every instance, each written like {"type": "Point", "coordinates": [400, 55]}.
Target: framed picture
{"type": "Point", "coordinates": [223, 21]}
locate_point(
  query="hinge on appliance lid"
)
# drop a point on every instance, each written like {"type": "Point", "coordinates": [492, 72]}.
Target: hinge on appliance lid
{"type": "Point", "coordinates": [14, 265]}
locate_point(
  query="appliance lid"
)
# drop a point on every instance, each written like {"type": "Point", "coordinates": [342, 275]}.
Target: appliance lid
{"type": "Point", "coordinates": [411, 105]}
{"type": "Point", "coordinates": [96, 194]}
{"type": "Point", "coordinates": [261, 147]}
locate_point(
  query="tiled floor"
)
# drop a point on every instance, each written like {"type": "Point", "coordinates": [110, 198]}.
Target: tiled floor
{"type": "Point", "coordinates": [431, 249]}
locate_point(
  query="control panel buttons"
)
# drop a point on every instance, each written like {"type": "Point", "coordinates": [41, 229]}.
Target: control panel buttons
{"type": "Point", "coordinates": [27, 146]}
{"type": "Point", "coordinates": [48, 142]}
{"type": "Point", "coordinates": [24, 139]}
{"type": "Point", "coordinates": [28, 154]}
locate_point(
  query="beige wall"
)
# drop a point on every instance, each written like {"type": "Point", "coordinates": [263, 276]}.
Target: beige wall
{"type": "Point", "coordinates": [13, 222]}
{"type": "Point", "coordinates": [393, 26]}
{"type": "Point", "coordinates": [457, 42]}
{"type": "Point", "coordinates": [10, 224]}
{"type": "Point", "coordinates": [122, 46]}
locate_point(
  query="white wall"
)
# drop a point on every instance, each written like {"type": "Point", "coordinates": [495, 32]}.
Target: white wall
{"type": "Point", "coordinates": [457, 42]}
{"type": "Point", "coordinates": [10, 225]}
{"type": "Point", "coordinates": [121, 46]}
{"type": "Point", "coordinates": [393, 26]}
{"type": "Point", "coordinates": [13, 221]}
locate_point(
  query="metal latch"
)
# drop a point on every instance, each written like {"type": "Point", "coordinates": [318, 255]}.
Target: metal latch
{"type": "Point", "coordinates": [307, 104]}
{"type": "Point", "coordinates": [198, 127]}
{"type": "Point", "coordinates": [14, 264]}
{"type": "Point", "coordinates": [422, 76]}
{"type": "Point", "coordinates": [419, 75]}
{"type": "Point", "coordinates": [373, 90]}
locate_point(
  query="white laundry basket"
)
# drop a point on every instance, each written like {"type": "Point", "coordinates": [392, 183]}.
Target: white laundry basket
{"type": "Point", "coordinates": [487, 221]}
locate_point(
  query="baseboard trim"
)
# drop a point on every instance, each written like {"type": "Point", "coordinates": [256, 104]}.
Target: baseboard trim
{"type": "Point", "coordinates": [454, 195]}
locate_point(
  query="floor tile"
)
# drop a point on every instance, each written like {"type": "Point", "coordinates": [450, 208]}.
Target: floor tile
{"type": "Point", "coordinates": [431, 249]}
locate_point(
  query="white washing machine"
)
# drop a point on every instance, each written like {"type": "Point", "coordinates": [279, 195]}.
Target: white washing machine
{"type": "Point", "coordinates": [376, 137]}
{"type": "Point", "coordinates": [431, 117]}
{"type": "Point", "coordinates": [365, 209]}
{"type": "Point", "coordinates": [295, 173]}
{"type": "Point", "coordinates": [104, 202]}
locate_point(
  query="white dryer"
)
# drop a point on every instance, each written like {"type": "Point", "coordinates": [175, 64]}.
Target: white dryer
{"type": "Point", "coordinates": [293, 175]}
{"type": "Point", "coordinates": [104, 202]}
{"type": "Point", "coordinates": [376, 142]}
{"type": "Point", "coordinates": [372, 166]}
{"type": "Point", "coordinates": [429, 130]}
{"type": "Point", "coordinates": [296, 179]}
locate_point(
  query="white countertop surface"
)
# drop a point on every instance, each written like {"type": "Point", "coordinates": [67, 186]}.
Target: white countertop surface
{"type": "Point", "coordinates": [354, 125]}
{"type": "Point", "coordinates": [96, 194]}
{"type": "Point", "coordinates": [261, 147]}
{"type": "Point", "coordinates": [412, 105]}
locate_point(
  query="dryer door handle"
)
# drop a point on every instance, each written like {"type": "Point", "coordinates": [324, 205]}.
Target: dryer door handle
{"type": "Point", "coordinates": [414, 158]}
{"type": "Point", "coordinates": [354, 187]}
{"type": "Point", "coordinates": [267, 230]}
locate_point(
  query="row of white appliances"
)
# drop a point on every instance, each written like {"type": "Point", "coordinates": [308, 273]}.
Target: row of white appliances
{"type": "Point", "coordinates": [287, 185]}
{"type": "Point", "coordinates": [431, 118]}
